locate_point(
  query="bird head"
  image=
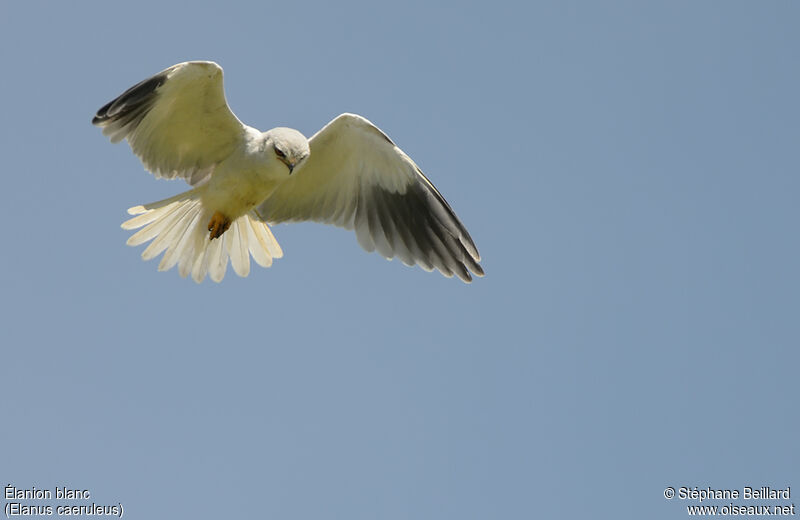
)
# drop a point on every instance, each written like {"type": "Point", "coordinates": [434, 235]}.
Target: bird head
{"type": "Point", "coordinates": [288, 146]}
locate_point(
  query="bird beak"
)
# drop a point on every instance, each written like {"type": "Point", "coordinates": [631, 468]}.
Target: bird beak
{"type": "Point", "coordinates": [289, 164]}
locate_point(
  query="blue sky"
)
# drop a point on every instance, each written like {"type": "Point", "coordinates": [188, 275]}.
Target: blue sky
{"type": "Point", "coordinates": [628, 170]}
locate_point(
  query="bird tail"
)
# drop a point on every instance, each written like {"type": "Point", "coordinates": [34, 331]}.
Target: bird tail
{"type": "Point", "coordinates": [179, 226]}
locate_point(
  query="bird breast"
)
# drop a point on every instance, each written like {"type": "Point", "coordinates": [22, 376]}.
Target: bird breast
{"type": "Point", "coordinates": [241, 182]}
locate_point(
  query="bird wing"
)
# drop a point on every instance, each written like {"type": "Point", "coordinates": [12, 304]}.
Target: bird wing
{"type": "Point", "coordinates": [357, 178]}
{"type": "Point", "coordinates": [177, 122]}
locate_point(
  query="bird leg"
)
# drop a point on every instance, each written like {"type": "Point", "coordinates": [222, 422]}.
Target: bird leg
{"type": "Point", "coordinates": [218, 225]}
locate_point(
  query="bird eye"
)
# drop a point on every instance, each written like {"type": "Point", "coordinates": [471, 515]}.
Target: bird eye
{"type": "Point", "coordinates": [280, 153]}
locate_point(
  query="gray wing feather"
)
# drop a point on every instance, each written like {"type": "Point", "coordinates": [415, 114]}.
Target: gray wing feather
{"type": "Point", "coordinates": [177, 122]}
{"type": "Point", "coordinates": [357, 178]}
{"type": "Point", "coordinates": [119, 116]}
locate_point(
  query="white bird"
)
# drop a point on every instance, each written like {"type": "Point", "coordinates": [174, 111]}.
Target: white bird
{"type": "Point", "coordinates": [349, 174]}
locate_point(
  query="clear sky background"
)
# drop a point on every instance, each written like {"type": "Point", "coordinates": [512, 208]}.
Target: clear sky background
{"type": "Point", "coordinates": [628, 170]}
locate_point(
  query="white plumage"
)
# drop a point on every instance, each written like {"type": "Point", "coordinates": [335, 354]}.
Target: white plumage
{"type": "Point", "coordinates": [349, 174]}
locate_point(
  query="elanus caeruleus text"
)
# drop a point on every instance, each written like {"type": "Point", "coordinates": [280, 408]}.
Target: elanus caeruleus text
{"type": "Point", "coordinates": [349, 174]}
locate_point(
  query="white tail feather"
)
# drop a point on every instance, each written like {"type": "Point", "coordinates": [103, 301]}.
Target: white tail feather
{"type": "Point", "coordinates": [216, 259]}
{"type": "Point", "coordinates": [177, 225]}
{"type": "Point", "coordinates": [257, 247]}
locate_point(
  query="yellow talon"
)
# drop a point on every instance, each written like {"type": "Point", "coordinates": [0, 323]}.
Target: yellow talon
{"type": "Point", "coordinates": [218, 225]}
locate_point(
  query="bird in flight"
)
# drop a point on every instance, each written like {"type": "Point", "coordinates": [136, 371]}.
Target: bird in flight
{"type": "Point", "coordinates": [349, 174]}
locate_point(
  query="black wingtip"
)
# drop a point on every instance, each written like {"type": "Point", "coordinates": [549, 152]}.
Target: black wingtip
{"type": "Point", "coordinates": [130, 100]}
